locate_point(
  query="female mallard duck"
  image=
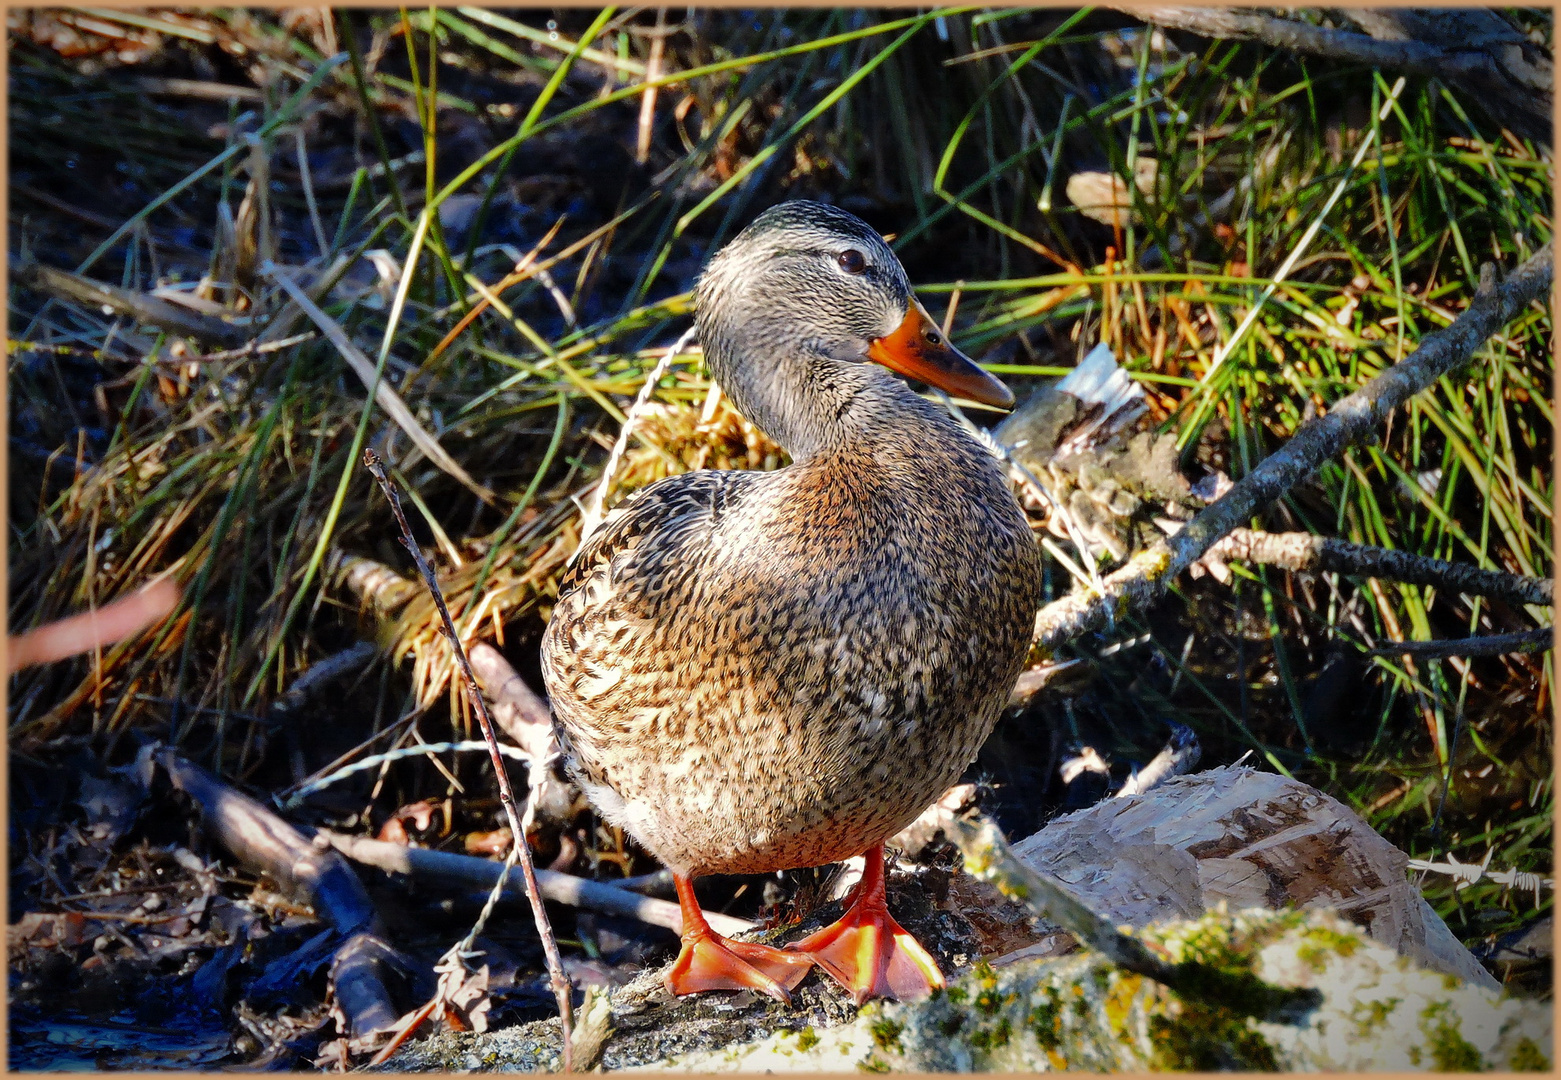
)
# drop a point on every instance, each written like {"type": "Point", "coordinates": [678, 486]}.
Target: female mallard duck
{"type": "Point", "coordinates": [756, 671]}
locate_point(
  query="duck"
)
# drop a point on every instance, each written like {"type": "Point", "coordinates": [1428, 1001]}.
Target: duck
{"type": "Point", "coordinates": [753, 671]}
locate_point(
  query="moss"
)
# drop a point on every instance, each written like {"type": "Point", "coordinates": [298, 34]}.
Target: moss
{"type": "Point", "coordinates": [1528, 1057]}
{"type": "Point", "coordinates": [989, 1039]}
{"type": "Point", "coordinates": [1369, 1015]}
{"type": "Point", "coordinates": [807, 1038]}
{"type": "Point", "coordinates": [1207, 1039]}
{"type": "Point", "coordinates": [1321, 941]}
{"type": "Point", "coordinates": [950, 1026]}
{"type": "Point", "coordinates": [886, 1033]}
{"type": "Point", "coordinates": [874, 1064]}
{"type": "Point", "coordinates": [1451, 1052]}
{"type": "Point", "coordinates": [1045, 1021]}
{"type": "Point", "coordinates": [988, 1000]}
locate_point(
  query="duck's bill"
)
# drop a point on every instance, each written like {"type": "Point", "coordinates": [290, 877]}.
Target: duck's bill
{"type": "Point", "coordinates": [918, 350]}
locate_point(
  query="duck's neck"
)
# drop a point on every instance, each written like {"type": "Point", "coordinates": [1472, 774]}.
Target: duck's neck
{"type": "Point", "coordinates": [815, 407]}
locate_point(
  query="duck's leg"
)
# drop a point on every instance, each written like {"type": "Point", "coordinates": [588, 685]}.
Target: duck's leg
{"type": "Point", "coordinates": [711, 962]}
{"type": "Point", "coordinates": [869, 953]}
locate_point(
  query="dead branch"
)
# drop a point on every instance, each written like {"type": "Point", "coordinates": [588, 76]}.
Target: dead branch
{"type": "Point", "coordinates": [527, 720]}
{"type": "Point", "coordinates": [1317, 554]}
{"type": "Point", "coordinates": [262, 841]}
{"type": "Point", "coordinates": [1476, 49]}
{"type": "Point", "coordinates": [1351, 420]}
{"type": "Point", "coordinates": [517, 709]}
{"type": "Point", "coordinates": [448, 869]}
{"type": "Point", "coordinates": [358, 983]}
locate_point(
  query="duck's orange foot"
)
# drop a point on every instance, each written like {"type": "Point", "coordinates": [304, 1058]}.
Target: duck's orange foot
{"type": "Point", "coordinates": [867, 952]}
{"type": "Point", "coordinates": [712, 962]}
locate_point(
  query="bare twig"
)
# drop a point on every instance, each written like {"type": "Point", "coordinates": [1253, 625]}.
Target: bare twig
{"type": "Point", "coordinates": [1491, 645]}
{"type": "Point", "coordinates": [520, 848]}
{"type": "Point", "coordinates": [1179, 757]}
{"type": "Point", "coordinates": [1317, 554]}
{"type": "Point", "coordinates": [469, 871]}
{"type": "Point", "coordinates": [517, 709]}
{"type": "Point", "coordinates": [658, 45]}
{"type": "Point", "coordinates": [1351, 420]}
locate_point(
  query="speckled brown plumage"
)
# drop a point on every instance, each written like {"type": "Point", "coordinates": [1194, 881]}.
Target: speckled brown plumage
{"type": "Point", "coordinates": [756, 671]}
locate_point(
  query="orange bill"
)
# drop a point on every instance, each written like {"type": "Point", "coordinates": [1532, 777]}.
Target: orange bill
{"type": "Point", "coordinates": [918, 350]}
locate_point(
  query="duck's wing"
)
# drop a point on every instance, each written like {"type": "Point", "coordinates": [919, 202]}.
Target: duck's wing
{"type": "Point", "coordinates": [672, 513]}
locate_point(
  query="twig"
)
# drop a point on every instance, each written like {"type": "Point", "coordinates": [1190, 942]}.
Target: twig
{"type": "Point", "coordinates": [1523, 641]}
{"type": "Point", "coordinates": [517, 709]}
{"type": "Point", "coordinates": [1351, 420]}
{"type": "Point", "coordinates": [658, 44]}
{"type": "Point", "coordinates": [1179, 757]}
{"type": "Point", "coordinates": [1316, 554]}
{"type": "Point", "coordinates": [258, 347]}
{"type": "Point", "coordinates": [472, 872]}
{"type": "Point", "coordinates": [374, 761]}
{"type": "Point", "coordinates": [520, 848]}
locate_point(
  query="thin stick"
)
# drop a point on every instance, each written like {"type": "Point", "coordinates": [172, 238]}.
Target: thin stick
{"type": "Point", "coordinates": [1320, 554]}
{"type": "Point", "coordinates": [520, 848]}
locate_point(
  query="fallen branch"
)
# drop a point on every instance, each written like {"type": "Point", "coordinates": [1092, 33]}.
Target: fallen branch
{"type": "Point", "coordinates": [263, 842]}
{"type": "Point", "coordinates": [518, 710]}
{"type": "Point", "coordinates": [1491, 645]}
{"type": "Point", "coordinates": [1317, 554]}
{"type": "Point", "coordinates": [528, 720]}
{"type": "Point", "coordinates": [1352, 419]}
{"type": "Point", "coordinates": [448, 869]}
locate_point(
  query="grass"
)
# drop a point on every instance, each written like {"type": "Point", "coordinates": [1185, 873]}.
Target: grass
{"type": "Point", "coordinates": [453, 141]}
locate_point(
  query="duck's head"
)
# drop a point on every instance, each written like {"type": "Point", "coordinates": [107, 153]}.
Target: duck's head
{"type": "Point", "coordinates": [791, 310]}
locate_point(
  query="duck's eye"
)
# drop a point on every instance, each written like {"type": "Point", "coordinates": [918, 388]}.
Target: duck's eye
{"type": "Point", "coordinates": [853, 261]}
